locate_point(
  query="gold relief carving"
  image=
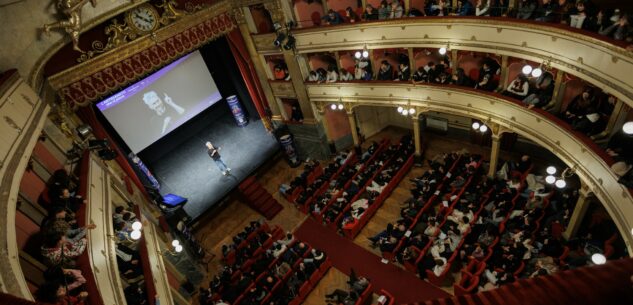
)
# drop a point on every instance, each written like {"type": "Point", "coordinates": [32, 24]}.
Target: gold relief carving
{"type": "Point", "coordinates": [614, 59]}
{"type": "Point", "coordinates": [448, 27]}
{"type": "Point", "coordinates": [384, 37]}
{"type": "Point", "coordinates": [473, 38]}
{"type": "Point", "coordinates": [499, 30]}
{"type": "Point", "coordinates": [239, 16]}
{"type": "Point", "coordinates": [283, 88]}
{"type": "Point", "coordinates": [171, 13]}
{"type": "Point", "coordinates": [538, 120]}
{"type": "Point", "coordinates": [554, 38]}
{"type": "Point", "coordinates": [580, 60]}
{"type": "Point", "coordinates": [344, 39]}
{"type": "Point", "coordinates": [524, 44]}
{"type": "Point", "coordinates": [72, 24]}
{"type": "Point", "coordinates": [28, 100]}
{"type": "Point", "coordinates": [403, 27]}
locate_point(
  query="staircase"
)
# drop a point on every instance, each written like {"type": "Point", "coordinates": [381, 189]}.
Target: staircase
{"type": "Point", "coordinates": [259, 199]}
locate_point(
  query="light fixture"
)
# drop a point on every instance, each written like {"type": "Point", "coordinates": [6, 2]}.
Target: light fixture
{"type": "Point", "coordinates": [598, 259]}
{"type": "Point", "coordinates": [175, 243]}
{"type": "Point", "coordinates": [365, 53]}
{"type": "Point", "coordinates": [476, 125]}
{"type": "Point", "coordinates": [442, 51]}
{"type": "Point", "coordinates": [537, 72]}
{"type": "Point", "coordinates": [340, 107]}
{"type": "Point", "coordinates": [135, 235]}
{"type": "Point", "coordinates": [400, 109]}
{"type": "Point", "coordinates": [333, 106]}
{"type": "Point", "coordinates": [551, 170]}
{"type": "Point", "coordinates": [483, 128]}
{"type": "Point", "coordinates": [411, 110]}
{"type": "Point", "coordinates": [137, 225]}
{"type": "Point", "coordinates": [628, 127]}
{"type": "Point", "coordinates": [405, 112]}
{"type": "Point", "coordinates": [560, 183]}
{"type": "Point", "coordinates": [178, 248]}
{"type": "Point", "coordinates": [527, 69]}
{"type": "Point", "coordinates": [550, 179]}
{"type": "Point", "coordinates": [357, 55]}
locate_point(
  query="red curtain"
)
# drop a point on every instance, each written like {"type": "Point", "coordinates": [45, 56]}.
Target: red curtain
{"type": "Point", "coordinates": [247, 69]}
{"type": "Point", "coordinates": [89, 117]}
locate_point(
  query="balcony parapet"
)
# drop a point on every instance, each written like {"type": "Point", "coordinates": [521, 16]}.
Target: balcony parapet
{"type": "Point", "coordinates": [583, 54]}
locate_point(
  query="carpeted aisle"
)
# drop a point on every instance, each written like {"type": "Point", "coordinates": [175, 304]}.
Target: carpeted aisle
{"type": "Point", "coordinates": [403, 285]}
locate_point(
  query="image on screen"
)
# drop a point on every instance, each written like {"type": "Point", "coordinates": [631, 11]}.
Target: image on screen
{"type": "Point", "coordinates": [149, 109]}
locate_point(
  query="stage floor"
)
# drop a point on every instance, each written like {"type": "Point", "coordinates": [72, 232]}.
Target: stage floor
{"type": "Point", "coordinates": [188, 171]}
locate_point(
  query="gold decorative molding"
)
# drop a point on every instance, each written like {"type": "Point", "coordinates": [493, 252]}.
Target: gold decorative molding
{"type": "Point", "coordinates": [264, 43]}
{"type": "Point", "coordinates": [283, 89]}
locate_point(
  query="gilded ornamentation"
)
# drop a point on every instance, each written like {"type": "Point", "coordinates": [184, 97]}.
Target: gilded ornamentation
{"type": "Point", "coordinates": [122, 33]}
{"type": "Point", "coordinates": [72, 25]}
{"type": "Point", "coordinates": [99, 76]}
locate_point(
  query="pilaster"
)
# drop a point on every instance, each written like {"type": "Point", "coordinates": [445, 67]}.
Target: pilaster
{"type": "Point", "coordinates": [580, 211]}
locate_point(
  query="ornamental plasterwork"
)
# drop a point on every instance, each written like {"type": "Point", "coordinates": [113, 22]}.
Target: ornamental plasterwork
{"type": "Point", "coordinates": [120, 33]}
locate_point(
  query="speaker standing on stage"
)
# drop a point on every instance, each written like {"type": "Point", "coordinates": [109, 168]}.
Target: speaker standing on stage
{"type": "Point", "coordinates": [215, 155]}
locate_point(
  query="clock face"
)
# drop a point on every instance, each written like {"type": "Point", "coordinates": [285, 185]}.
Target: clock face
{"type": "Point", "coordinates": [143, 18]}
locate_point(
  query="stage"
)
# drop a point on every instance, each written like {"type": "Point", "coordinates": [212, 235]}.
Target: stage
{"type": "Point", "coordinates": [188, 171]}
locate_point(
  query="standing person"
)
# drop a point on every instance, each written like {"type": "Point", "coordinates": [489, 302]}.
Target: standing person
{"type": "Point", "coordinates": [214, 153]}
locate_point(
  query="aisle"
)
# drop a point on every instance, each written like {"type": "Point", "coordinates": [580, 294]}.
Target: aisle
{"type": "Point", "coordinates": [403, 285]}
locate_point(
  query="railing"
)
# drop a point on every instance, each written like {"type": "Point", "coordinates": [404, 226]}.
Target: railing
{"type": "Point", "coordinates": [589, 161]}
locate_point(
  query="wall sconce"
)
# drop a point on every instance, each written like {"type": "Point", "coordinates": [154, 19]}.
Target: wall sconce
{"type": "Point", "coordinates": [627, 128]}
{"type": "Point", "coordinates": [443, 50]}
{"type": "Point", "coordinates": [362, 54]}
{"type": "Point", "coordinates": [480, 127]}
{"type": "Point", "coordinates": [136, 230]}
{"type": "Point", "coordinates": [559, 182]}
{"type": "Point", "coordinates": [407, 110]}
{"type": "Point", "coordinates": [177, 246]}
{"type": "Point", "coordinates": [338, 106]}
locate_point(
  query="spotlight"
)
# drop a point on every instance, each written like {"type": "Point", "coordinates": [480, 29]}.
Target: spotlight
{"type": "Point", "coordinates": [550, 179]}
{"type": "Point", "coordinates": [276, 26]}
{"type": "Point", "coordinates": [100, 144]}
{"type": "Point", "coordinates": [412, 110]}
{"type": "Point", "coordinates": [537, 72]}
{"type": "Point", "coordinates": [178, 248]}
{"type": "Point", "coordinates": [551, 170]}
{"type": "Point", "coordinates": [400, 109]}
{"type": "Point", "coordinates": [175, 243]}
{"type": "Point", "coordinates": [483, 128]}
{"type": "Point", "coordinates": [83, 131]}
{"type": "Point", "coordinates": [560, 183]}
{"type": "Point", "coordinates": [476, 125]}
{"type": "Point", "coordinates": [527, 69]}
{"type": "Point", "coordinates": [598, 259]}
{"type": "Point", "coordinates": [340, 107]}
{"type": "Point", "coordinates": [365, 54]}
{"type": "Point", "coordinates": [333, 106]}
{"type": "Point", "coordinates": [290, 43]}
{"type": "Point", "coordinates": [628, 128]}
{"type": "Point", "coordinates": [279, 40]}
{"type": "Point", "coordinates": [137, 225]}
{"type": "Point", "coordinates": [135, 235]}
{"type": "Point", "coordinates": [442, 51]}
{"type": "Point", "coordinates": [357, 55]}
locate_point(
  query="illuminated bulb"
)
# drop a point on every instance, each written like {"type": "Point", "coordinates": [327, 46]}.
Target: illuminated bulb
{"type": "Point", "coordinates": [357, 54]}
{"type": "Point", "coordinates": [178, 248]}
{"type": "Point", "coordinates": [400, 109]}
{"type": "Point", "coordinates": [483, 128]}
{"type": "Point", "coordinates": [442, 51]}
{"type": "Point", "coordinates": [628, 127]}
{"type": "Point", "coordinates": [340, 106]}
{"type": "Point", "coordinates": [551, 170]}
{"type": "Point", "coordinates": [412, 111]}
{"type": "Point", "coordinates": [476, 125]}
{"type": "Point", "coordinates": [560, 183]}
{"type": "Point", "coordinates": [550, 179]}
{"type": "Point", "coordinates": [365, 54]}
{"type": "Point", "coordinates": [537, 72]}
{"type": "Point", "coordinates": [527, 69]}
{"type": "Point", "coordinates": [333, 107]}
{"type": "Point", "coordinates": [598, 259]}
{"type": "Point", "coordinates": [137, 225]}
{"type": "Point", "coordinates": [405, 112]}
{"type": "Point", "coordinates": [135, 235]}
{"type": "Point", "coordinates": [175, 243]}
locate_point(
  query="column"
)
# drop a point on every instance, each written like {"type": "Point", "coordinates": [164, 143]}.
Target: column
{"type": "Point", "coordinates": [504, 72]}
{"type": "Point", "coordinates": [352, 125]}
{"type": "Point", "coordinates": [416, 135]}
{"type": "Point", "coordinates": [364, 4]}
{"type": "Point", "coordinates": [407, 6]}
{"type": "Point", "coordinates": [321, 110]}
{"type": "Point", "coordinates": [494, 154]}
{"type": "Point", "coordinates": [580, 211]}
{"type": "Point", "coordinates": [618, 116]}
{"type": "Point", "coordinates": [412, 66]}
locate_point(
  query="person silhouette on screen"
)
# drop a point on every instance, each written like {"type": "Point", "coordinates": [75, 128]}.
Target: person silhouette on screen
{"type": "Point", "coordinates": [168, 114]}
{"type": "Point", "coordinates": [214, 153]}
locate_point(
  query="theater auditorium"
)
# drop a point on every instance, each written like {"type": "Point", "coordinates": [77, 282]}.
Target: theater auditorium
{"type": "Point", "coordinates": [286, 152]}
